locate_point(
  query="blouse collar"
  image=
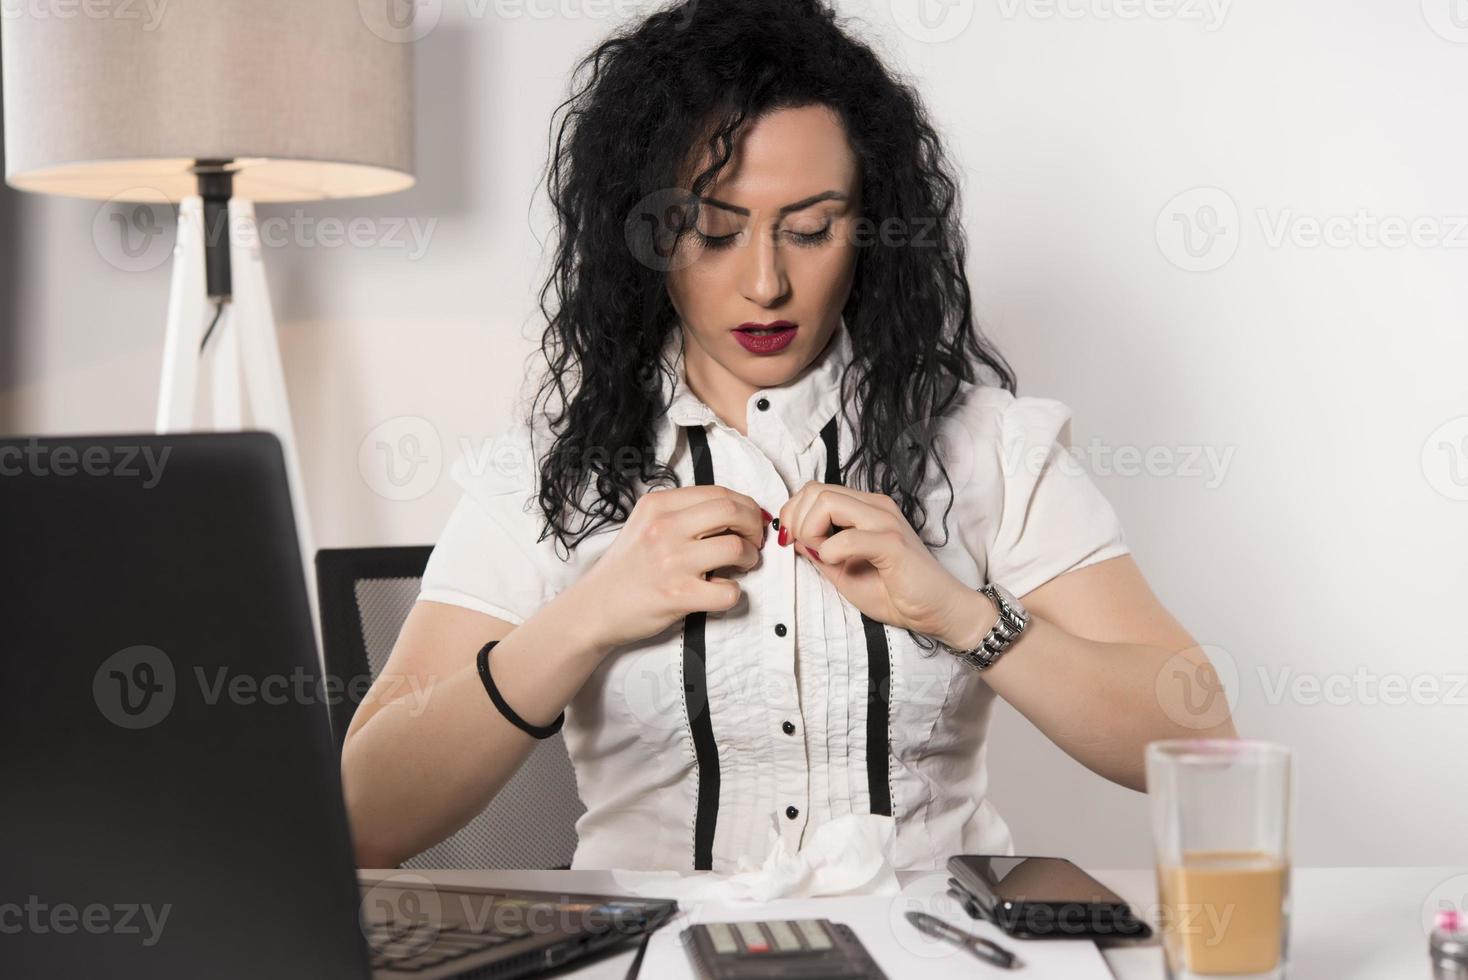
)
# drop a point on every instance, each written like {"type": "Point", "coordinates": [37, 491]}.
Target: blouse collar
{"type": "Point", "coordinates": [803, 406]}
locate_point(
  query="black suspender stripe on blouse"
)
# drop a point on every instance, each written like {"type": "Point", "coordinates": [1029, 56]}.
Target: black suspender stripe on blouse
{"type": "Point", "coordinates": [695, 691]}
{"type": "Point", "coordinates": [879, 669]}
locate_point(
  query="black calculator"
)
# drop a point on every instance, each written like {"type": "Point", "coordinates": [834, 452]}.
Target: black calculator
{"type": "Point", "coordinates": [780, 948]}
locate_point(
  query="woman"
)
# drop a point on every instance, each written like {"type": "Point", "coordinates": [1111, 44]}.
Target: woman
{"type": "Point", "coordinates": [763, 325]}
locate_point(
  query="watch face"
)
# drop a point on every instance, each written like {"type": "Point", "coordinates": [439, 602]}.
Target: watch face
{"type": "Point", "coordinates": [1010, 609]}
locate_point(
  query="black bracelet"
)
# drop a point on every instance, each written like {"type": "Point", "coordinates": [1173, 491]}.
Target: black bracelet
{"type": "Point", "coordinates": [539, 731]}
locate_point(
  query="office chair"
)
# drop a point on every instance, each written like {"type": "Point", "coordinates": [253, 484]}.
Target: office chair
{"type": "Point", "coordinates": [365, 595]}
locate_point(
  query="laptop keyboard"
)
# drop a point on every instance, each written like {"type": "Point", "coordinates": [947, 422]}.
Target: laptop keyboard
{"type": "Point", "coordinates": [419, 945]}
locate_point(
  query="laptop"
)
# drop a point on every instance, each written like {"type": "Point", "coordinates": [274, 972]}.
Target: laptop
{"type": "Point", "coordinates": [172, 797]}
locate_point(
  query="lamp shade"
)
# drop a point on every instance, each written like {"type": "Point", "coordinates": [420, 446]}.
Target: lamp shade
{"type": "Point", "coordinates": [306, 99]}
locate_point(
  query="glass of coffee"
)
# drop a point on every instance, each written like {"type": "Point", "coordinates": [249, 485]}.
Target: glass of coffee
{"type": "Point", "coordinates": [1221, 830]}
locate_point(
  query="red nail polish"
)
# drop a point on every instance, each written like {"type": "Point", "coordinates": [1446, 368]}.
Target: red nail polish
{"type": "Point", "coordinates": [784, 536]}
{"type": "Point", "coordinates": [814, 552]}
{"type": "Point", "coordinates": [766, 515]}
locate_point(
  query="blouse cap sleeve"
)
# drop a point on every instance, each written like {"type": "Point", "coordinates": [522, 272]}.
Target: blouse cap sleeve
{"type": "Point", "coordinates": [487, 557]}
{"type": "Point", "coordinates": [1044, 515]}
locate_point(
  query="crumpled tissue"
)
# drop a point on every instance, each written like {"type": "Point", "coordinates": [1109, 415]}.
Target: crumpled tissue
{"type": "Point", "coordinates": [850, 855]}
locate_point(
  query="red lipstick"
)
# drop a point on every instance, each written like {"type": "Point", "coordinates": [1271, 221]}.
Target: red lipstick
{"type": "Point", "coordinates": [780, 334]}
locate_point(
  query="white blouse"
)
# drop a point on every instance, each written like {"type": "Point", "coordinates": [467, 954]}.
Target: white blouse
{"type": "Point", "coordinates": [706, 743]}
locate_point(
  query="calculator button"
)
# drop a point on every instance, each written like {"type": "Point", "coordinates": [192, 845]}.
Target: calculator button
{"type": "Point", "coordinates": [814, 933]}
{"type": "Point", "coordinates": [722, 937]}
{"type": "Point", "coordinates": [784, 936]}
{"type": "Point", "coordinates": [753, 936]}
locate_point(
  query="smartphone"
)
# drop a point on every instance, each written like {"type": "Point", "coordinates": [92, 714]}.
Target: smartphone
{"type": "Point", "coordinates": [1042, 898]}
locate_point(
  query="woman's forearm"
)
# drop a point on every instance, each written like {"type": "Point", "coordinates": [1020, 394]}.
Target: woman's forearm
{"type": "Point", "coordinates": [428, 761]}
{"type": "Point", "coordinates": [1098, 701]}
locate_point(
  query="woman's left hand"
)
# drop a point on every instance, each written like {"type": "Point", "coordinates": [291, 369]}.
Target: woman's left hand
{"type": "Point", "coordinates": [864, 546]}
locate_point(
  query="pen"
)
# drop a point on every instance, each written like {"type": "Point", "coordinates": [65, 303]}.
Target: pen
{"type": "Point", "coordinates": [982, 948]}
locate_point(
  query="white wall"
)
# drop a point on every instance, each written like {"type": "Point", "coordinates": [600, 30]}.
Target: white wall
{"type": "Point", "coordinates": [1332, 538]}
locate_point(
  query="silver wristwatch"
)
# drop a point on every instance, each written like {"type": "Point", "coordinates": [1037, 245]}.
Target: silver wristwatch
{"type": "Point", "coordinates": [1012, 622]}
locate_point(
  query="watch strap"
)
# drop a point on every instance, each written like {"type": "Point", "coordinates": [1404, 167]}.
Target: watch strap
{"type": "Point", "coordinates": [1011, 623]}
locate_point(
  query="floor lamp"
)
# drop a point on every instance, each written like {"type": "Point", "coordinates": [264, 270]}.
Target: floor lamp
{"type": "Point", "coordinates": [217, 106]}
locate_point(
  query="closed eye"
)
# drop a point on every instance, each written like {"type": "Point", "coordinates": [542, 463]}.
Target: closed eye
{"type": "Point", "coordinates": [715, 242]}
{"type": "Point", "coordinates": [814, 238]}
{"type": "Point", "coordinates": [718, 242]}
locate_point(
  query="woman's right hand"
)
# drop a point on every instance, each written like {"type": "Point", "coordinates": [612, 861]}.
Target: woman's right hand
{"type": "Point", "coordinates": [656, 570]}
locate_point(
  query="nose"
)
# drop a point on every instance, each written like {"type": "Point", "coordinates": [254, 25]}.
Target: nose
{"type": "Point", "coordinates": [762, 275]}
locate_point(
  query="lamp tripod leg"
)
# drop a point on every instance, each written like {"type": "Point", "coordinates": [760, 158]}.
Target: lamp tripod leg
{"type": "Point", "coordinates": [188, 304]}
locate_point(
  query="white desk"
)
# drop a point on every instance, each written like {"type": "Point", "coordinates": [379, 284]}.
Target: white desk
{"type": "Point", "coordinates": [1348, 923]}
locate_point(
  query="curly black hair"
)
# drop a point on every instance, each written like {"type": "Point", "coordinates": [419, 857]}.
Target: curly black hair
{"type": "Point", "coordinates": [700, 70]}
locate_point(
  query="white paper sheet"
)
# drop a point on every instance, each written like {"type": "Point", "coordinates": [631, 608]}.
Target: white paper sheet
{"type": "Point", "coordinates": [880, 922]}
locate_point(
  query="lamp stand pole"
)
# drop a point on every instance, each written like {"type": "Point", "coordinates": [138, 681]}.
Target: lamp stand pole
{"type": "Point", "coordinates": [242, 344]}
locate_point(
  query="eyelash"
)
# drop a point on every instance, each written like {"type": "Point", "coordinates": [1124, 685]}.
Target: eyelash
{"type": "Point", "coordinates": [719, 242]}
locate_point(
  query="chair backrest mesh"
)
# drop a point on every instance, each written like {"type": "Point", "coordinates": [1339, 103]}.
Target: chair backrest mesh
{"type": "Point", "coordinates": [531, 822]}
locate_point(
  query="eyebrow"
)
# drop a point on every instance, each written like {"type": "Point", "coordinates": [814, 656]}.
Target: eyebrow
{"type": "Point", "coordinates": [797, 206]}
